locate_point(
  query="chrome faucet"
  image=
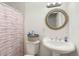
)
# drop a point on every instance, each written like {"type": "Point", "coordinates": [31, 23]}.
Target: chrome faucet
{"type": "Point", "coordinates": [60, 39]}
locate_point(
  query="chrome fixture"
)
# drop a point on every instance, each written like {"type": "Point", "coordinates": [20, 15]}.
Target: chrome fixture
{"type": "Point", "coordinates": [53, 4]}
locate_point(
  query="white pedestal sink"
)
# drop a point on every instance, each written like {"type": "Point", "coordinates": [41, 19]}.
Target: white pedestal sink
{"type": "Point", "coordinates": [58, 47]}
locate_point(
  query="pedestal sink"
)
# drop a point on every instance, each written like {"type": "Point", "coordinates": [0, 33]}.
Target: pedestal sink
{"type": "Point", "coordinates": [58, 47]}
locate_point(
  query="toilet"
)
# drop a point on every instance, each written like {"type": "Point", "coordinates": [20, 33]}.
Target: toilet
{"type": "Point", "coordinates": [32, 48]}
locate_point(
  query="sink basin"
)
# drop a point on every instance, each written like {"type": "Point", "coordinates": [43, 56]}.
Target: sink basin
{"type": "Point", "coordinates": [59, 47]}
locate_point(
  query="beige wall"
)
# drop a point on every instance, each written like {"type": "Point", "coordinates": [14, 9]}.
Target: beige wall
{"type": "Point", "coordinates": [35, 19]}
{"type": "Point", "coordinates": [74, 23]}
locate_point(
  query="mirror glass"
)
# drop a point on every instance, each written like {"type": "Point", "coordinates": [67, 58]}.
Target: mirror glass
{"type": "Point", "coordinates": [56, 19]}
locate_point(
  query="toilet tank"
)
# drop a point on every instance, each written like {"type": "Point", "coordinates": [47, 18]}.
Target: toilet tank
{"type": "Point", "coordinates": [32, 48]}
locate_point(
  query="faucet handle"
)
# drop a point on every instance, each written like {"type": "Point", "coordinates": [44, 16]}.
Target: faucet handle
{"type": "Point", "coordinates": [56, 38]}
{"type": "Point", "coordinates": [60, 39]}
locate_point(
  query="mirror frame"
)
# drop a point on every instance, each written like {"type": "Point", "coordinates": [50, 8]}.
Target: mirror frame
{"type": "Point", "coordinates": [57, 10]}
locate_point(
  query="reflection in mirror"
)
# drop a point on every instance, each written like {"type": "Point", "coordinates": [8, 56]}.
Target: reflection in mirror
{"type": "Point", "coordinates": [52, 21]}
{"type": "Point", "coordinates": [60, 19]}
{"type": "Point", "coordinates": [56, 19]}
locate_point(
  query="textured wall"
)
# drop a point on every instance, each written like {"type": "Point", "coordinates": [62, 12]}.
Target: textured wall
{"type": "Point", "coordinates": [74, 23]}
{"type": "Point", "coordinates": [35, 19]}
{"type": "Point", "coordinates": [11, 31]}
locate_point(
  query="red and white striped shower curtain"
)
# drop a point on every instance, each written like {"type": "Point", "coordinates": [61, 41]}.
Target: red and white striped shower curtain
{"type": "Point", "coordinates": [11, 32]}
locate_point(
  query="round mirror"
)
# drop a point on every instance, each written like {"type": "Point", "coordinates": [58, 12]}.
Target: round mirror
{"type": "Point", "coordinates": [56, 19]}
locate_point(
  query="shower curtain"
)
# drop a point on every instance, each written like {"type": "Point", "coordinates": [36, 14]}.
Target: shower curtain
{"type": "Point", "coordinates": [11, 31]}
